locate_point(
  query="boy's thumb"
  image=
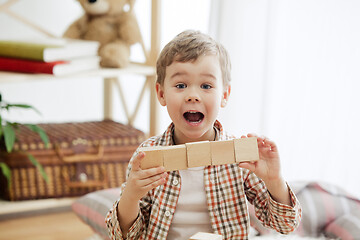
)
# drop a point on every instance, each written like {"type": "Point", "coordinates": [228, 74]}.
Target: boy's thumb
{"type": "Point", "coordinates": [136, 163]}
{"type": "Point", "coordinates": [248, 166]}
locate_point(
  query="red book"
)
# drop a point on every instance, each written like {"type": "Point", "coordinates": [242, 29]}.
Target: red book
{"type": "Point", "coordinates": [57, 68]}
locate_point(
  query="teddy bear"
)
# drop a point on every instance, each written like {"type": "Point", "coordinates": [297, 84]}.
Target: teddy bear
{"type": "Point", "coordinates": [113, 24]}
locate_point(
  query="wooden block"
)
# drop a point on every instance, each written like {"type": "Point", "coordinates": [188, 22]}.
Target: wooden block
{"type": "Point", "coordinates": [198, 154]}
{"type": "Point", "coordinates": [175, 157]}
{"type": "Point", "coordinates": [222, 152]}
{"type": "Point", "coordinates": [246, 149]}
{"type": "Point", "coordinates": [153, 157]}
{"type": "Point", "coordinates": [205, 236]}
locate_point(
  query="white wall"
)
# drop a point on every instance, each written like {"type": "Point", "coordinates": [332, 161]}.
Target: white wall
{"type": "Point", "coordinates": [81, 99]}
{"type": "Point", "coordinates": [242, 29]}
{"type": "Point", "coordinates": [296, 80]}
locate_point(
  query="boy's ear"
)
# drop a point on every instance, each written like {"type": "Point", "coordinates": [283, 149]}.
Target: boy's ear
{"type": "Point", "coordinates": [225, 96]}
{"type": "Point", "coordinates": [160, 94]}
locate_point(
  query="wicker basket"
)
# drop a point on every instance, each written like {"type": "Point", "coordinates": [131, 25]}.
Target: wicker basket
{"type": "Point", "coordinates": [81, 157]}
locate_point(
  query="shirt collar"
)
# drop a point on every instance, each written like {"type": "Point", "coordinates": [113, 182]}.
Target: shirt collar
{"type": "Point", "coordinates": [168, 135]}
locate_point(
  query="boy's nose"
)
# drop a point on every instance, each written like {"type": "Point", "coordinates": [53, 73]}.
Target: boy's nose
{"type": "Point", "coordinates": [192, 94]}
{"type": "Point", "coordinates": [193, 99]}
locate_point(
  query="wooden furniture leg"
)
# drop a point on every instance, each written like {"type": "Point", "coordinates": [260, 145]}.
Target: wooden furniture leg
{"type": "Point", "coordinates": [154, 107]}
{"type": "Point", "coordinates": [108, 110]}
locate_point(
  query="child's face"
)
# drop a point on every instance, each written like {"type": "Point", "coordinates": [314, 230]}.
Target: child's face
{"type": "Point", "coordinates": [193, 93]}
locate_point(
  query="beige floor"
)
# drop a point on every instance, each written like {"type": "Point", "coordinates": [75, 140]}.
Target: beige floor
{"type": "Point", "coordinates": [54, 226]}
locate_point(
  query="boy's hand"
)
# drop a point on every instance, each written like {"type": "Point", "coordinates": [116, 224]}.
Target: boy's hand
{"type": "Point", "coordinates": [141, 181]}
{"type": "Point", "coordinates": [137, 185]}
{"type": "Point", "coordinates": [268, 167]}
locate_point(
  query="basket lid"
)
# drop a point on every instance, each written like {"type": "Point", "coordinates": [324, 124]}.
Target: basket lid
{"type": "Point", "coordinates": [105, 132]}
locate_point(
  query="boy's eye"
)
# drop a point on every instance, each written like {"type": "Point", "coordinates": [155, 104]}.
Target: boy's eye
{"type": "Point", "coordinates": [206, 86]}
{"type": "Point", "coordinates": [180, 85]}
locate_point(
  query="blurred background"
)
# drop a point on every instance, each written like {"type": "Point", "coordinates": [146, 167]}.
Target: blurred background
{"type": "Point", "coordinates": [295, 78]}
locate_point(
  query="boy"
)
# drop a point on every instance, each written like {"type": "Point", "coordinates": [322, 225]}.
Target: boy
{"type": "Point", "coordinates": [193, 82]}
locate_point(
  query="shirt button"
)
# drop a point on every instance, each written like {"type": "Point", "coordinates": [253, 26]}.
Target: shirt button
{"type": "Point", "coordinates": [175, 182]}
{"type": "Point", "coordinates": [288, 214]}
{"type": "Point", "coordinates": [167, 213]}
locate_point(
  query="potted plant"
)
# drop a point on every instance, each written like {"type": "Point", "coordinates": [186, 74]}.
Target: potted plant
{"type": "Point", "coordinates": [8, 131]}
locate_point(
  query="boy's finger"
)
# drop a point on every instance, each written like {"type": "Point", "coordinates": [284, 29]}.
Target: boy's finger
{"type": "Point", "coordinates": [251, 135]}
{"type": "Point", "coordinates": [152, 172]}
{"type": "Point", "coordinates": [136, 162]}
{"type": "Point", "coordinates": [153, 185]}
{"type": "Point", "coordinates": [259, 139]}
{"type": "Point", "coordinates": [270, 143]}
{"type": "Point", "coordinates": [154, 178]}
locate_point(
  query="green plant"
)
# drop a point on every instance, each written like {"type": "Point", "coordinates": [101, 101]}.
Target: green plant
{"type": "Point", "coordinates": [8, 136]}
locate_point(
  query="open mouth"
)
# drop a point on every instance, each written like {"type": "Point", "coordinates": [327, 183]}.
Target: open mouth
{"type": "Point", "coordinates": [193, 116]}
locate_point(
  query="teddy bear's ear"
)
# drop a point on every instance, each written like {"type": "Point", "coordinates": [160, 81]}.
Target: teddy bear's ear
{"type": "Point", "coordinates": [131, 4]}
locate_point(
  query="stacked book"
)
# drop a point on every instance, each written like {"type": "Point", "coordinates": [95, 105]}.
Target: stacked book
{"type": "Point", "coordinates": [58, 57]}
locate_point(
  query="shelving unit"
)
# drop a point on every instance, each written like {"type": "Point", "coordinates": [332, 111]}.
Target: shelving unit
{"type": "Point", "coordinates": [112, 77]}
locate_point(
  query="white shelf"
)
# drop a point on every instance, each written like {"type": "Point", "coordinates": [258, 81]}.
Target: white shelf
{"type": "Point", "coordinates": [111, 78]}
{"type": "Point", "coordinates": [15, 209]}
{"type": "Point", "coordinates": [136, 69]}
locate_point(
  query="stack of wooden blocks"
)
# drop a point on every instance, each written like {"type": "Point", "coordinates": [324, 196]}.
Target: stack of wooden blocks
{"type": "Point", "coordinates": [197, 154]}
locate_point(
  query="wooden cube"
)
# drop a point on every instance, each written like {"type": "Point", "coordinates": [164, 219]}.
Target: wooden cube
{"type": "Point", "coordinates": [246, 149]}
{"type": "Point", "coordinates": [153, 157]}
{"type": "Point", "coordinates": [175, 157]}
{"type": "Point", "coordinates": [198, 154]}
{"type": "Point", "coordinates": [222, 152]}
{"type": "Point", "coordinates": [205, 236]}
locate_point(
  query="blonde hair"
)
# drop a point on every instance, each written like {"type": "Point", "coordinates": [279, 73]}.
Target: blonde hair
{"type": "Point", "coordinates": [188, 46]}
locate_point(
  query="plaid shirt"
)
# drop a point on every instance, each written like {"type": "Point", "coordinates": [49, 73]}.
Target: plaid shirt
{"type": "Point", "coordinates": [228, 188]}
